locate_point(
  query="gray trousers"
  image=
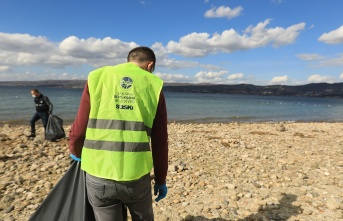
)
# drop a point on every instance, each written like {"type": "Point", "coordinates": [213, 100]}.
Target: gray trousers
{"type": "Point", "coordinates": [108, 196]}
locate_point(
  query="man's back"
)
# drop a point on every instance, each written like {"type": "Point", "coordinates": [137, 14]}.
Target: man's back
{"type": "Point", "coordinates": [122, 109]}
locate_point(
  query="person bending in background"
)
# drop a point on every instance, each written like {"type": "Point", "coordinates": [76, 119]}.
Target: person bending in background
{"type": "Point", "coordinates": [43, 109]}
{"type": "Point", "coordinates": [122, 108]}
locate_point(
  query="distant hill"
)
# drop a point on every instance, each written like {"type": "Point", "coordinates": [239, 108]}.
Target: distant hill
{"type": "Point", "coordinates": [46, 83]}
{"type": "Point", "coordinates": [309, 90]}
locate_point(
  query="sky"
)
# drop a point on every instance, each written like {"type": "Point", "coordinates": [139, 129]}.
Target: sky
{"type": "Point", "coordinates": [260, 42]}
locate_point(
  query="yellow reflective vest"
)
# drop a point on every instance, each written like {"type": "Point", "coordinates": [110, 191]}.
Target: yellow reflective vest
{"type": "Point", "coordinates": [123, 101]}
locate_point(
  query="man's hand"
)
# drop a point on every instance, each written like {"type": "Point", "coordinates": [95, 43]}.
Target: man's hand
{"type": "Point", "coordinates": [75, 157]}
{"type": "Point", "coordinates": [161, 190]}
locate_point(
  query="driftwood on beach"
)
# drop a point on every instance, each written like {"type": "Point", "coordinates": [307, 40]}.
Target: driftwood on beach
{"type": "Point", "coordinates": [233, 171]}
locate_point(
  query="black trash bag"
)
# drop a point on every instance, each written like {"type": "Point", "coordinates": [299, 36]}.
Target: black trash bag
{"type": "Point", "coordinates": [67, 201]}
{"type": "Point", "coordinates": [54, 128]}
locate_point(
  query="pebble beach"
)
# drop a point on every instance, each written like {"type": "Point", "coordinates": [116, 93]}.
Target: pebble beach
{"type": "Point", "coordinates": [217, 171]}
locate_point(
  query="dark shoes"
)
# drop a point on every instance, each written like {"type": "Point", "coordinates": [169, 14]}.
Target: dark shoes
{"type": "Point", "coordinates": [32, 135]}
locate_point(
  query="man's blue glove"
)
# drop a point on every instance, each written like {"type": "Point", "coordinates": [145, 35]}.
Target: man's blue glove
{"type": "Point", "coordinates": [162, 190]}
{"type": "Point", "coordinates": [74, 157]}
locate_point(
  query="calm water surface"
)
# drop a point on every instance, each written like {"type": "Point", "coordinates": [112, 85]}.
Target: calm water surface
{"type": "Point", "coordinates": [16, 106]}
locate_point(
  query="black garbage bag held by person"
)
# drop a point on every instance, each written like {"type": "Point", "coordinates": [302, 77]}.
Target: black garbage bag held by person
{"type": "Point", "coordinates": [54, 128]}
{"type": "Point", "coordinates": [67, 201]}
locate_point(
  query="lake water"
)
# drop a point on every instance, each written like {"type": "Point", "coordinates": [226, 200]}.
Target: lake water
{"type": "Point", "coordinates": [16, 106]}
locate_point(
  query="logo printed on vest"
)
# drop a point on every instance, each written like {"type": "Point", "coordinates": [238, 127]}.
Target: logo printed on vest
{"type": "Point", "coordinates": [126, 82]}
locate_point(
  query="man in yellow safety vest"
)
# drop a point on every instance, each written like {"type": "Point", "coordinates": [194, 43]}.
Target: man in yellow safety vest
{"type": "Point", "coordinates": [122, 111]}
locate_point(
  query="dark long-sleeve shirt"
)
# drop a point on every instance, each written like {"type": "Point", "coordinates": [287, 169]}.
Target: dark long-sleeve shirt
{"type": "Point", "coordinates": [43, 104]}
{"type": "Point", "coordinates": [159, 134]}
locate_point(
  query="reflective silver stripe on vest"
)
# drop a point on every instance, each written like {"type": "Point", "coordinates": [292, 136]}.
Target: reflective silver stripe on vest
{"type": "Point", "coordinates": [119, 125]}
{"type": "Point", "coordinates": [116, 146]}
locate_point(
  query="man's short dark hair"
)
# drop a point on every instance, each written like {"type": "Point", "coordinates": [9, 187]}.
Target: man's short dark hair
{"type": "Point", "coordinates": [142, 54]}
{"type": "Point", "coordinates": [35, 90]}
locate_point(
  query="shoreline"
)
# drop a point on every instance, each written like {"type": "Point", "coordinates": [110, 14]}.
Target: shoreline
{"type": "Point", "coordinates": [69, 123]}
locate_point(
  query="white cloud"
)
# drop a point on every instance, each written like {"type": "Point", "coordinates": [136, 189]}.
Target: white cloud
{"type": "Point", "coordinates": [279, 80]}
{"type": "Point", "coordinates": [175, 64]}
{"type": "Point", "coordinates": [97, 52]}
{"type": "Point", "coordinates": [210, 77]}
{"type": "Point", "coordinates": [277, 36]}
{"type": "Point", "coordinates": [276, 1]}
{"type": "Point", "coordinates": [235, 76]}
{"type": "Point", "coordinates": [163, 59]}
{"type": "Point", "coordinates": [320, 79]}
{"type": "Point", "coordinates": [18, 51]}
{"type": "Point", "coordinates": [333, 37]}
{"type": "Point", "coordinates": [4, 68]}
{"type": "Point", "coordinates": [171, 78]}
{"type": "Point", "coordinates": [222, 12]}
{"type": "Point", "coordinates": [310, 57]}
{"type": "Point", "coordinates": [29, 76]}
{"type": "Point", "coordinates": [211, 74]}
{"type": "Point", "coordinates": [24, 43]}
{"type": "Point", "coordinates": [23, 49]}
{"type": "Point", "coordinates": [338, 61]}
{"type": "Point", "coordinates": [201, 44]}
{"type": "Point", "coordinates": [322, 61]}
{"type": "Point", "coordinates": [341, 76]}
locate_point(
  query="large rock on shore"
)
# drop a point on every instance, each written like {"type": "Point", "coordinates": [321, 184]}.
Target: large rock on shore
{"type": "Point", "coordinates": [234, 171]}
